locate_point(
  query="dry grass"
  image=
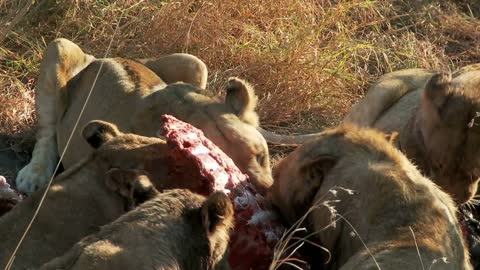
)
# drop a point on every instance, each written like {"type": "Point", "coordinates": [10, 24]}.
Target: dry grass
{"type": "Point", "coordinates": [310, 60]}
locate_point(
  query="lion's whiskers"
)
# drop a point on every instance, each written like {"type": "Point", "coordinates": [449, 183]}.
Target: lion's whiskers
{"type": "Point", "coordinates": [474, 202]}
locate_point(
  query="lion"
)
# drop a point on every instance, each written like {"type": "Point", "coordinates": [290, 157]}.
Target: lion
{"type": "Point", "coordinates": [134, 95]}
{"type": "Point", "coordinates": [367, 204]}
{"type": "Point", "coordinates": [435, 115]}
{"type": "Point", "coordinates": [175, 230]}
{"type": "Point", "coordinates": [81, 199]}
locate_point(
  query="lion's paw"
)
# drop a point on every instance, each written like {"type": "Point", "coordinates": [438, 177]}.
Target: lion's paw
{"type": "Point", "coordinates": [33, 176]}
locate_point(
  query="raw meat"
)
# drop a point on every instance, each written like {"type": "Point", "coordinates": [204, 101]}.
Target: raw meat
{"type": "Point", "coordinates": [188, 145]}
{"type": "Point", "coordinates": [257, 227]}
{"type": "Point", "coordinates": [471, 232]}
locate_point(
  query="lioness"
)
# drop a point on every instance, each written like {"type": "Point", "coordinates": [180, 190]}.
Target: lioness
{"type": "Point", "coordinates": [435, 115]}
{"type": "Point", "coordinates": [403, 218]}
{"type": "Point", "coordinates": [134, 97]}
{"type": "Point", "coordinates": [80, 200]}
{"type": "Point", "coordinates": [175, 230]}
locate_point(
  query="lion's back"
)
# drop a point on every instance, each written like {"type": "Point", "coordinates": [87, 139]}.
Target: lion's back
{"type": "Point", "coordinates": [396, 116]}
{"type": "Point", "coordinates": [390, 102]}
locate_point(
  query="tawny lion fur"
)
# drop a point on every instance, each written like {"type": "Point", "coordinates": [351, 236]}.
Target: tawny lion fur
{"type": "Point", "coordinates": [176, 230]}
{"type": "Point", "coordinates": [390, 200]}
{"type": "Point", "coordinates": [435, 115]}
{"type": "Point", "coordinates": [81, 199]}
{"type": "Point", "coordinates": [134, 95]}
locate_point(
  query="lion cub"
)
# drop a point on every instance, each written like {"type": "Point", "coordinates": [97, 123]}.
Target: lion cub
{"type": "Point", "coordinates": [79, 200]}
{"type": "Point", "coordinates": [177, 229]}
{"type": "Point", "coordinates": [367, 204]}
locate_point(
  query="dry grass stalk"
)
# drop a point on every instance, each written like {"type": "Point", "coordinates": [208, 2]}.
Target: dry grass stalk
{"type": "Point", "coordinates": [309, 60]}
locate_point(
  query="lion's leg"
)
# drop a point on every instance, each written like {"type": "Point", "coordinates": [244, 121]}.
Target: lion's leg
{"type": "Point", "coordinates": [62, 61]}
{"type": "Point", "coordinates": [179, 67]}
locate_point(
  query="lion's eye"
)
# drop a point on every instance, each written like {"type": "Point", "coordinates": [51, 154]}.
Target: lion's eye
{"type": "Point", "coordinates": [129, 186]}
{"type": "Point", "coordinates": [261, 159]}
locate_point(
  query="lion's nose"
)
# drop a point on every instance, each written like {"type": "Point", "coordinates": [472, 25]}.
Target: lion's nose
{"type": "Point", "coordinates": [261, 181]}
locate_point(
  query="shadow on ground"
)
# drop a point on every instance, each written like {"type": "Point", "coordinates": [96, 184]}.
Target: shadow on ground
{"type": "Point", "coordinates": [15, 152]}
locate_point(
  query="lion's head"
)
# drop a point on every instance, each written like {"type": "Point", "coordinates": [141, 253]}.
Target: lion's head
{"type": "Point", "coordinates": [135, 152]}
{"type": "Point", "coordinates": [448, 127]}
{"type": "Point", "coordinates": [176, 229]}
{"type": "Point", "coordinates": [81, 198]}
{"type": "Point", "coordinates": [230, 124]}
{"type": "Point", "coordinates": [352, 183]}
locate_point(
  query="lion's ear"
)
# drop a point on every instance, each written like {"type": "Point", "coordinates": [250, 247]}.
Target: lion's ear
{"type": "Point", "coordinates": [315, 169]}
{"type": "Point", "coordinates": [438, 88]}
{"type": "Point", "coordinates": [242, 99]}
{"type": "Point", "coordinates": [98, 132]}
{"type": "Point", "coordinates": [134, 185]}
{"type": "Point", "coordinates": [392, 137]}
{"type": "Point", "coordinates": [143, 190]}
{"type": "Point", "coordinates": [217, 211]}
